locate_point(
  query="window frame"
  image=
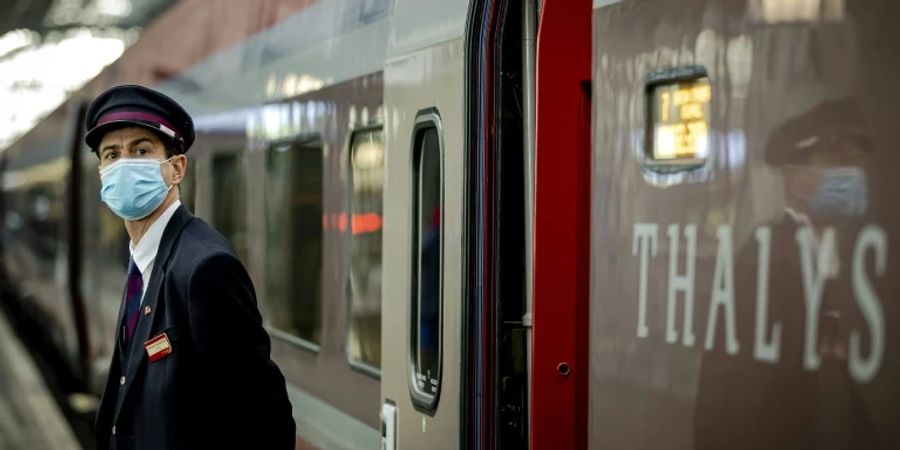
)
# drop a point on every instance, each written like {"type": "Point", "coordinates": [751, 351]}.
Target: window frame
{"type": "Point", "coordinates": [191, 177]}
{"type": "Point", "coordinates": [422, 402]}
{"type": "Point", "coordinates": [240, 156]}
{"type": "Point", "coordinates": [367, 369]}
{"type": "Point", "coordinates": [282, 335]}
{"type": "Point", "coordinates": [662, 79]}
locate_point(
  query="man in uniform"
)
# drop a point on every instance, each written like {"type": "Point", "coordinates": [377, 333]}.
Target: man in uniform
{"type": "Point", "coordinates": [191, 367]}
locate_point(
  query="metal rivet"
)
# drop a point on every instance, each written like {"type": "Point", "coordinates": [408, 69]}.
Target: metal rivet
{"type": "Point", "coordinates": [147, 310]}
{"type": "Point", "coordinates": [563, 369]}
{"type": "Point", "coordinates": [122, 380]}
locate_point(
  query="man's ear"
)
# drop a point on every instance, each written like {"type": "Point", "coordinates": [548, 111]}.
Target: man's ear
{"type": "Point", "coordinates": [179, 168]}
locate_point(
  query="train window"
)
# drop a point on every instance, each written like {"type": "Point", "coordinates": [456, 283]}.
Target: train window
{"type": "Point", "coordinates": [294, 240]}
{"type": "Point", "coordinates": [188, 186]}
{"type": "Point", "coordinates": [426, 299]}
{"type": "Point", "coordinates": [366, 206]}
{"type": "Point", "coordinates": [679, 111]}
{"type": "Point", "coordinates": [229, 201]}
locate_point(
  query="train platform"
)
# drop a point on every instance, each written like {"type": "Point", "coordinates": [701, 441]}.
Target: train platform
{"type": "Point", "coordinates": [29, 417]}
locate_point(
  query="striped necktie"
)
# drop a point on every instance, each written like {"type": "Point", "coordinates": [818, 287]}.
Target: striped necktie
{"type": "Point", "coordinates": [133, 291]}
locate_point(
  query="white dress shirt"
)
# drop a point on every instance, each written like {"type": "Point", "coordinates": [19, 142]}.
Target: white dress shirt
{"type": "Point", "coordinates": [144, 253]}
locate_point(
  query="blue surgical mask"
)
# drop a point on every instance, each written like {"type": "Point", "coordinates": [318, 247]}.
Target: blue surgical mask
{"type": "Point", "coordinates": [133, 188]}
{"type": "Point", "coordinates": [841, 193]}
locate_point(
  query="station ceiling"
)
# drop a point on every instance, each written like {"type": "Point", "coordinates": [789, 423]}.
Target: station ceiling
{"type": "Point", "coordinates": [36, 36]}
{"type": "Point", "coordinates": [46, 16]}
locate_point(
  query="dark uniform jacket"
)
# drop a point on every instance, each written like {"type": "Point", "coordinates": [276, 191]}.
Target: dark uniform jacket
{"type": "Point", "coordinates": [218, 388]}
{"type": "Point", "coordinates": [743, 403]}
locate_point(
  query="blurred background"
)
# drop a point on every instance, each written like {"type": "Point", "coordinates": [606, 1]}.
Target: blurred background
{"type": "Point", "coordinates": [50, 48]}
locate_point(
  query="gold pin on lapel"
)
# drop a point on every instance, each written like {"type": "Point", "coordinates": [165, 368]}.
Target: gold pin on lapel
{"type": "Point", "coordinates": [147, 310]}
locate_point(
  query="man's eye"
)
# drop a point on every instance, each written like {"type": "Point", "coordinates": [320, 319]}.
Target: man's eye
{"type": "Point", "coordinates": [142, 151]}
{"type": "Point", "coordinates": [111, 156]}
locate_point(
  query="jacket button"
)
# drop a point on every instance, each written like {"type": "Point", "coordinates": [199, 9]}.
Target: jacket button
{"type": "Point", "coordinates": [122, 380]}
{"type": "Point", "coordinates": [114, 430]}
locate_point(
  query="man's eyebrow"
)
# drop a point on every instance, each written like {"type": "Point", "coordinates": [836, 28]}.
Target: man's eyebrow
{"type": "Point", "coordinates": [139, 140]}
{"type": "Point", "coordinates": [130, 144]}
{"type": "Point", "coordinates": [109, 147]}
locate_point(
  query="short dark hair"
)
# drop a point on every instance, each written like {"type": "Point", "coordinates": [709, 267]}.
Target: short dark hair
{"type": "Point", "coordinates": [170, 147]}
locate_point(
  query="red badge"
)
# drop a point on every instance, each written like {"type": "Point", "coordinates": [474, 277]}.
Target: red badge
{"type": "Point", "coordinates": [158, 347]}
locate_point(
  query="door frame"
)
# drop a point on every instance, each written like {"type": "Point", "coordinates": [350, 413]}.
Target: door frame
{"type": "Point", "coordinates": [560, 365]}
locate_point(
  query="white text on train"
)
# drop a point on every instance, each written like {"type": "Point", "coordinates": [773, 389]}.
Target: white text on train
{"type": "Point", "coordinates": [814, 253]}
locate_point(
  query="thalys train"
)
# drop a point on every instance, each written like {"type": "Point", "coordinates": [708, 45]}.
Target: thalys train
{"type": "Point", "coordinates": [512, 224]}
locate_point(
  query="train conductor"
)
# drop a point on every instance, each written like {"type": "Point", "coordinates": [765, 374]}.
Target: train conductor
{"type": "Point", "coordinates": [191, 367]}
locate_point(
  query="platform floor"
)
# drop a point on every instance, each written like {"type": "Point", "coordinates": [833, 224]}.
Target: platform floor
{"type": "Point", "coordinates": [29, 417]}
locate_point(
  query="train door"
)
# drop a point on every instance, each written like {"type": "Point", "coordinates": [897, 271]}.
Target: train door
{"type": "Point", "coordinates": [559, 370]}
{"type": "Point", "coordinates": [423, 210]}
{"type": "Point", "coordinates": [742, 263]}
{"type": "Point", "coordinates": [500, 144]}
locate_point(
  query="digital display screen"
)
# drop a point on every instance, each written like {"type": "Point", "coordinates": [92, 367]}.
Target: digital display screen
{"type": "Point", "coordinates": [680, 121]}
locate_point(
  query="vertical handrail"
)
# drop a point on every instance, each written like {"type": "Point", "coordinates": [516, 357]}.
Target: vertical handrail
{"type": "Point", "coordinates": [529, 33]}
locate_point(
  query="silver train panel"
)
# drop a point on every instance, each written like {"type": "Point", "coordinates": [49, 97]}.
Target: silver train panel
{"type": "Point", "coordinates": [429, 78]}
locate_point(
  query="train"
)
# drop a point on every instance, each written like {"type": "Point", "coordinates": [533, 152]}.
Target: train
{"type": "Point", "coordinates": [518, 223]}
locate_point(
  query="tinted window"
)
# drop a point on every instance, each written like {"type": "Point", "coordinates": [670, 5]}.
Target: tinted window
{"type": "Point", "coordinates": [294, 239]}
{"type": "Point", "coordinates": [366, 196]}
{"type": "Point", "coordinates": [426, 293]}
{"type": "Point", "coordinates": [188, 186]}
{"type": "Point", "coordinates": [229, 200]}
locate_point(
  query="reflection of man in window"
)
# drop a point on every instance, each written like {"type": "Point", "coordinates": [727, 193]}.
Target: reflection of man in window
{"type": "Point", "coordinates": [191, 366]}
{"type": "Point", "coordinates": [779, 403]}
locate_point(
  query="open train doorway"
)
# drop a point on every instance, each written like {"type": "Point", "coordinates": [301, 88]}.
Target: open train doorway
{"type": "Point", "coordinates": [512, 179]}
{"type": "Point", "coordinates": [500, 135]}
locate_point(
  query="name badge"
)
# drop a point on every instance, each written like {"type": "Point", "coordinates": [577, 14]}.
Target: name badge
{"type": "Point", "coordinates": [158, 347]}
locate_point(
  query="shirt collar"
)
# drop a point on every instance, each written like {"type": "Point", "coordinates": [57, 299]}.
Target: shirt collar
{"type": "Point", "coordinates": [144, 252]}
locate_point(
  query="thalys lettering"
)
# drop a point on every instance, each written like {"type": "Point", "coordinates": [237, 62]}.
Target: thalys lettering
{"type": "Point", "coordinates": [817, 253]}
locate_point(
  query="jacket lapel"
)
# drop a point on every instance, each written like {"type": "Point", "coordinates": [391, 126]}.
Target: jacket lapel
{"type": "Point", "coordinates": [119, 347]}
{"type": "Point", "coordinates": [115, 365]}
{"type": "Point", "coordinates": [135, 356]}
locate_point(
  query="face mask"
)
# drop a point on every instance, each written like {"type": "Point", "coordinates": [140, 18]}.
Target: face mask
{"type": "Point", "coordinates": [133, 188]}
{"type": "Point", "coordinates": [841, 193]}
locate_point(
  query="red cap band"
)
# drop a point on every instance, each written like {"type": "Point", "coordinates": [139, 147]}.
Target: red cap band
{"type": "Point", "coordinates": [139, 116]}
